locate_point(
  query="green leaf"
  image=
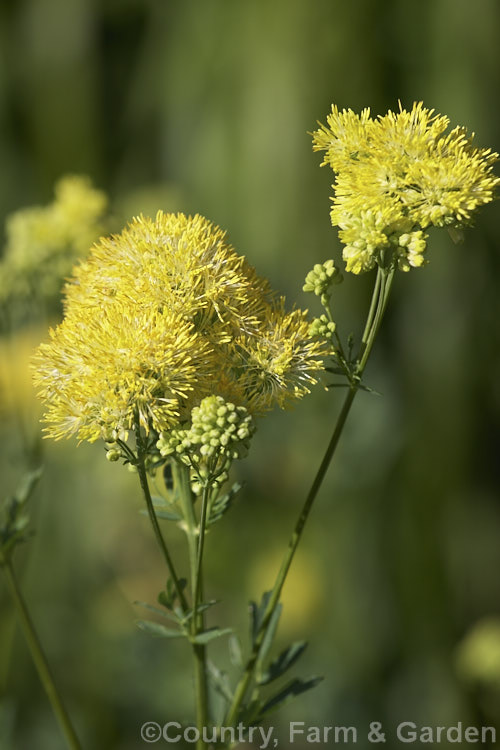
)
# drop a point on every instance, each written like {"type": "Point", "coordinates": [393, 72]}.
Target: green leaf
{"type": "Point", "coordinates": [163, 509]}
{"type": "Point", "coordinates": [257, 614]}
{"type": "Point", "coordinates": [350, 344]}
{"type": "Point", "coordinates": [201, 608]}
{"type": "Point", "coordinates": [168, 515]}
{"type": "Point", "coordinates": [159, 501]}
{"type": "Point", "coordinates": [21, 523]}
{"type": "Point", "coordinates": [165, 600]}
{"type": "Point", "coordinates": [154, 628]}
{"type": "Point", "coordinates": [221, 505]}
{"type": "Point", "coordinates": [168, 597]}
{"type": "Point", "coordinates": [289, 692]}
{"type": "Point", "coordinates": [209, 635]}
{"type": "Point", "coordinates": [13, 518]}
{"type": "Point", "coordinates": [268, 639]}
{"type": "Point", "coordinates": [283, 662]}
{"type": "Point", "coordinates": [9, 541]}
{"type": "Point", "coordinates": [249, 715]}
{"type": "Point", "coordinates": [220, 681]}
{"type": "Point", "coordinates": [253, 612]}
{"type": "Point", "coordinates": [157, 611]}
{"type": "Point", "coordinates": [367, 388]}
{"type": "Point", "coordinates": [27, 485]}
{"type": "Point", "coordinates": [235, 652]}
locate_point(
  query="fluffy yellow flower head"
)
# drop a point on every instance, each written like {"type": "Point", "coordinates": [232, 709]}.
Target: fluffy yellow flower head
{"type": "Point", "coordinates": [159, 317]}
{"type": "Point", "coordinates": [397, 175]}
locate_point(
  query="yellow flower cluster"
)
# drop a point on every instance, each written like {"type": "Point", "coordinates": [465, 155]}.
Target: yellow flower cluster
{"type": "Point", "coordinates": [44, 242]}
{"type": "Point", "coordinates": [396, 176]}
{"type": "Point", "coordinates": [157, 318]}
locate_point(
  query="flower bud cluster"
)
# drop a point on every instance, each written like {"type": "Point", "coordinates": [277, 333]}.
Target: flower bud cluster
{"type": "Point", "coordinates": [411, 248]}
{"type": "Point", "coordinates": [219, 433]}
{"type": "Point", "coordinates": [322, 327]}
{"type": "Point", "coordinates": [321, 278]}
{"type": "Point", "coordinates": [221, 427]}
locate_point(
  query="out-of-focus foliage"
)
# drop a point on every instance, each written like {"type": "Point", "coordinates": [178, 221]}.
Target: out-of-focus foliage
{"type": "Point", "coordinates": [206, 107]}
{"type": "Point", "coordinates": [42, 245]}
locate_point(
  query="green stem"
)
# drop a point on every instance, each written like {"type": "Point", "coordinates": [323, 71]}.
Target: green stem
{"type": "Point", "coordinates": [40, 659]}
{"type": "Point", "coordinates": [383, 286]}
{"type": "Point", "coordinates": [201, 544]}
{"type": "Point", "coordinates": [199, 619]}
{"type": "Point", "coordinates": [373, 307]}
{"type": "Point", "coordinates": [195, 545]}
{"type": "Point", "coordinates": [143, 478]}
{"type": "Point", "coordinates": [377, 307]}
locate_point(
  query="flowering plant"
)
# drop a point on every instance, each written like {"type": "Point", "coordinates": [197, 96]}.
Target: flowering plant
{"type": "Point", "coordinates": [172, 347]}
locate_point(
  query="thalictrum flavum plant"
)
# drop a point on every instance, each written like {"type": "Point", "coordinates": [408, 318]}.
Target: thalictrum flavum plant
{"type": "Point", "coordinates": [172, 348]}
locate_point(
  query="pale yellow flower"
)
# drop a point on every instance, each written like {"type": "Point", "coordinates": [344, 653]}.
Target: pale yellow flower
{"type": "Point", "coordinates": [99, 371]}
{"type": "Point", "coordinates": [278, 364]}
{"type": "Point", "coordinates": [172, 262]}
{"type": "Point", "coordinates": [396, 175]}
{"type": "Point", "coordinates": [159, 317]}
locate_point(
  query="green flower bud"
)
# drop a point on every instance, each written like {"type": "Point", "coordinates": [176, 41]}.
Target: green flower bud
{"type": "Point", "coordinates": [219, 433]}
{"type": "Point", "coordinates": [321, 278]}
{"type": "Point", "coordinates": [173, 442]}
{"type": "Point", "coordinates": [322, 327]}
{"type": "Point", "coordinates": [217, 424]}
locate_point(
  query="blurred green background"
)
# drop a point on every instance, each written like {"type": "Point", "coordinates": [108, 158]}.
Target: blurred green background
{"type": "Point", "coordinates": [204, 106]}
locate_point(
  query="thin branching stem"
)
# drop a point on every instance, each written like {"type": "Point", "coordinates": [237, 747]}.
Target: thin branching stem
{"type": "Point", "coordinates": [201, 545]}
{"type": "Point", "coordinates": [377, 308]}
{"type": "Point", "coordinates": [195, 538]}
{"type": "Point", "coordinates": [39, 658]}
{"type": "Point", "coordinates": [143, 478]}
